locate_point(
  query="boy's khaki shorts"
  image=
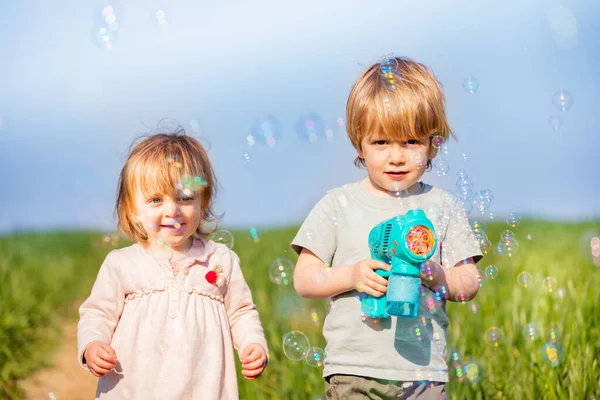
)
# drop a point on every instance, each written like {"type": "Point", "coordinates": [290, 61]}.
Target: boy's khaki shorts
{"type": "Point", "coordinates": [350, 387]}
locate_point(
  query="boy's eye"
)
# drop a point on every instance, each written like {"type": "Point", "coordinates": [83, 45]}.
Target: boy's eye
{"type": "Point", "coordinates": [186, 198]}
{"type": "Point", "coordinates": [413, 141]}
{"type": "Point", "coordinates": [380, 142]}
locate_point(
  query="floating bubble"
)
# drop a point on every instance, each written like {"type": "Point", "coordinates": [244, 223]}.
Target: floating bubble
{"type": "Point", "coordinates": [310, 127]}
{"type": "Point", "coordinates": [481, 277]}
{"type": "Point", "coordinates": [470, 84]}
{"type": "Point", "coordinates": [428, 271]}
{"type": "Point", "coordinates": [247, 157]}
{"type": "Point", "coordinates": [552, 354]}
{"type": "Point", "coordinates": [417, 158]}
{"type": "Point", "coordinates": [513, 220]}
{"type": "Point", "coordinates": [494, 336]}
{"type": "Point", "coordinates": [454, 357]}
{"type": "Point", "coordinates": [254, 234]}
{"type": "Point", "coordinates": [482, 199]}
{"type": "Point", "coordinates": [315, 357]}
{"type": "Point", "coordinates": [532, 331]}
{"type": "Point", "coordinates": [224, 237]}
{"type": "Point", "coordinates": [529, 237]}
{"type": "Point", "coordinates": [549, 284]}
{"type": "Point", "coordinates": [472, 371]}
{"type": "Point", "coordinates": [295, 345]}
{"type": "Point", "coordinates": [553, 335]}
{"type": "Point", "coordinates": [562, 100]}
{"type": "Point", "coordinates": [555, 122]}
{"type": "Point", "coordinates": [437, 141]}
{"type": "Point", "coordinates": [507, 247]}
{"type": "Point", "coordinates": [316, 316]}
{"type": "Point", "coordinates": [281, 271]}
{"type": "Point", "coordinates": [477, 225]}
{"type": "Point", "coordinates": [265, 131]}
{"type": "Point", "coordinates": [441, 166]}
{"type": "Point", "coordinates": [560, 293]}
{"type": "Point", "coordinates": [525, 279]}
{"type": "Point", "coordinates": [473, 307]}
{"type": "Point", "coordinates": [491, 271]}
{"type": "Point", "coordinates": [104, 36]}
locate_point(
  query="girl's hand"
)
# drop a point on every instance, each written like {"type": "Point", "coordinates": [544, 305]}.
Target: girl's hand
{"type": "Point", "coordinates": [254, 360]}
{"type": "Point", "coordinates": [100, 358]}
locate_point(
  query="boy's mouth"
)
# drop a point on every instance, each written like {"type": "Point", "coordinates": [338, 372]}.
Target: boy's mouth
{"type": "Point", "coordinates": [396, 174]}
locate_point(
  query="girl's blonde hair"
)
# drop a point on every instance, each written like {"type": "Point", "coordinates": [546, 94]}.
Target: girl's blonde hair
{"type": "Point", "coordinates": [158, 164]}
{"type": "Point", "coordinates": [397, 99]}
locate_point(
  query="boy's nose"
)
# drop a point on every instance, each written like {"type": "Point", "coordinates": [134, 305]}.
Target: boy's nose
{"type": "Point", "coordinates": [397, 154]}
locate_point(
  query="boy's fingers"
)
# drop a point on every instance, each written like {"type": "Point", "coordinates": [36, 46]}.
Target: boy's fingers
{"type": "Point", "coordinates": [377, 286]}
{"type": "Point", "coordinates": [253, 364]}
{"type": "Point", "coordinates": [100, 363]}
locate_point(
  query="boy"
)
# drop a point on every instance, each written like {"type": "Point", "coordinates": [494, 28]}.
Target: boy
{"type": "Point", "coordinates": [394, 110]}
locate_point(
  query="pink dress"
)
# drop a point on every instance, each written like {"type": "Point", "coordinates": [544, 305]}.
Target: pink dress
{"type": "Point", "coordinates": [174, 332]}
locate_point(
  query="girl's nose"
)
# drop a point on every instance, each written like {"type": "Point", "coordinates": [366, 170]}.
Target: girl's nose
{"type": "Point", "coordinates": [171, 208]}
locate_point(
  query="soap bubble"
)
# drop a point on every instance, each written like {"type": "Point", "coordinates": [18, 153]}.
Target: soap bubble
{"type": "Point", "coordinates": [470, 84]}
{"type": "Point", "coordinates": [315, 357]}
{"type": "Point", "coordinates": [491, 271]}
{"type": "Point", "coordinates": [549, 284]}
{"type": "Point", "coordinates": [553, 335]}
{"type": "Point", "coordinates": [310, 127]}
{"type": "Point", "coordinates": [281, 271]}
{"type": "Point", "coordinates": [532, 331]}
{"type": "Point", "coordinates": [441, 166]}
{"type": "Point", "coordinates": [224, 237]}
{"type": "Point", "coordinates": [265, 131]}
{"type": "Point", "coordinates": [295, 345]}
{"type": "Point", "coordinates": [513, 220]}
{"type": "Point", "coordinates": [472, 371]}
{"type": "Point", "coordinates": [481, 277]}
{"type": "Point", "coordinates": [437, 141]}
{"type": "Point", "coordinates": [552, 354]}
{"type": "Point", "coordinates": [525, 279]}
{"type": "Point", "coordinates": [562, 100]}
{"type": "Point", "coordinates": [494, 336]}
{"type": "Point", "coordinates": [555, 122]}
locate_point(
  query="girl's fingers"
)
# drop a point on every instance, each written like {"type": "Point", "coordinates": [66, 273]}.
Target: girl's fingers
{"type": "Point", "coordinates": [104, 364]}
{"type": "Point", "coordinates": [253, 364]}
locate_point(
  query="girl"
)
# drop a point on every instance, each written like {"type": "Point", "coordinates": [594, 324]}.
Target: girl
{"type": "Point", "coordinates": [166, 313]}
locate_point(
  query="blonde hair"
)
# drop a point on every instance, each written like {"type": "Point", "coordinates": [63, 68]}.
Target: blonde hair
{"type": "Point", "coordinates": [157, 164]}
{"type": "Point", "coordinates": [398, 99]}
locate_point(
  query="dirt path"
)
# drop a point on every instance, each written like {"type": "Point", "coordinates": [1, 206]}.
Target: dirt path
{"type": "Point", "coordinates": [66, 379]}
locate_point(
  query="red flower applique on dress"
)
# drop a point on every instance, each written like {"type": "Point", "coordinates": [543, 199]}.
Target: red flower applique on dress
{"type": "Point", "coordinates": [214, 276]}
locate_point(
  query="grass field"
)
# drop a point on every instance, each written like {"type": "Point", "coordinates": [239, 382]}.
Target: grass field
{"type": "Point", "coordinates": [43, 278]}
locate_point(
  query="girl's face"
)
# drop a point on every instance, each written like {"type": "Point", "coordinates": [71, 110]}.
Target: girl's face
{"type": "Point", "coordinates": [169, 221]}
{"type": "Point", "coordinates": [394, 167]}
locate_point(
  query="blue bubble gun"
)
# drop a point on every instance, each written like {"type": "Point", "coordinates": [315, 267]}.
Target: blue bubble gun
{"type": "Point", "coordinates": [404, 242]}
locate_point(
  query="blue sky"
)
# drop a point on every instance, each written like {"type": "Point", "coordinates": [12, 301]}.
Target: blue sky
{"type": "Point", "coordinates": [69, 109]}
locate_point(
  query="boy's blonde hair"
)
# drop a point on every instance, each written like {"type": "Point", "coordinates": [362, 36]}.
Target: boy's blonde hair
{"type": "Point", "coordinates": [157, 165]}
{"type": "Point", "coordinates": [398, 99]}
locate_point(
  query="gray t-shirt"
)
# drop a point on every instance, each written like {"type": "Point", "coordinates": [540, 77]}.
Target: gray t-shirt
{"type": "Point", "coordinates": [402, 349]}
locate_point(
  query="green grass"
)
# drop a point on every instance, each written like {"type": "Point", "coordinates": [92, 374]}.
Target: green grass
{"type": "Point", "coordinates": [44, 277]}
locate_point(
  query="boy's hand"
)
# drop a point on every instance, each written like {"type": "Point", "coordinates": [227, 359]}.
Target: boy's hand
{"type": "Point", "coordinates": [254, 360]}
{"type": "Point", "coordinates": [100, 358]}
{"type": "Point", "coordinates": [364, 278]}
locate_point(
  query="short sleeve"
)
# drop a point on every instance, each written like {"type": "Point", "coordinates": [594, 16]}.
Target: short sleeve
{"type": "Point", "coordinates": [459, 242]}
{"type": "Point", "coordinates": [318, 231]}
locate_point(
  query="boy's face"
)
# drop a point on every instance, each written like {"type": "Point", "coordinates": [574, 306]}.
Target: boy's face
{"type": "Point", "coordinates": [394, 166]}
{"type": "Point", "coordinates": [169, 220]}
